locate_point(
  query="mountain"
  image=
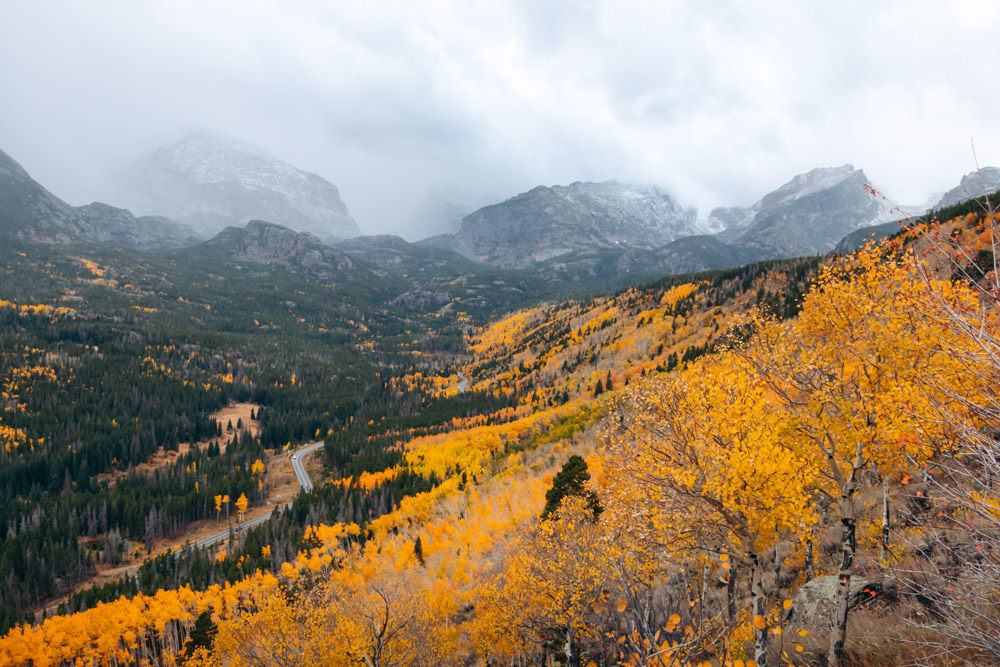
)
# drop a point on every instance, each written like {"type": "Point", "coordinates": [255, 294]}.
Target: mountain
{"type": "Point", "coordinates": [808, 215]}
{"type": "Point", "coordinates": [588, 231]}
{"type": "Point", "coordinates": [395, 255]}
{"type": "Point", "coordinates": [436, 278]}
{"type": "Point", "coordinates": [859, 237]}
{"type": "Point", "coordinates": [29, 211]}
{"type": "Point", "coordinates": [724, 218]}
{"type": "Point", "coordinates": [973, 184]}
{"type": "Point", "coordinates": [210, 181]}
{"type": "Point", "coordinates": [549, 222]}
{"type": "Point", "coordinates": [268, 243]}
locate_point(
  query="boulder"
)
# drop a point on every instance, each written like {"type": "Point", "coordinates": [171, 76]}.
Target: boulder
{"type": "Point", "coordinates": [814, 603]}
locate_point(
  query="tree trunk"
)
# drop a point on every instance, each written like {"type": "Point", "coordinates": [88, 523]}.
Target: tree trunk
{"type": "Point", "coordinates": [885, 519]}
{"type": "Point", "coordinates": [810, 572]}
{"type": "Point", "coordinates": [759, 607]}
{"type": "Point", "coordinates": [704, 589]}
{"type": "Point", "coordinates": [848, 547]}
{"type": "Point", "coordinates": [731, 594]}
{"type": "Point", "coordinates": [572, 655]}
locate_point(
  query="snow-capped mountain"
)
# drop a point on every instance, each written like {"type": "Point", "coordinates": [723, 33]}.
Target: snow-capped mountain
{"type": "Point", "coordinates": [808, 215]}
{"type": "Point", "coordinates": [973, 184]}
{"type": "Point", "coordinates": [549, 222]}
{"type": "Point", "coordinates": [210, 181]}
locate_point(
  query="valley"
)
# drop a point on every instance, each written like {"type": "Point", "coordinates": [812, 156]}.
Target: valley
{"type": "Point", "coordinates": [265, 426]}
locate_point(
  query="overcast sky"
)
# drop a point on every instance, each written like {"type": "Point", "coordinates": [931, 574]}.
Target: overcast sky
{"type": "Point", "coordinates": [717, 102]}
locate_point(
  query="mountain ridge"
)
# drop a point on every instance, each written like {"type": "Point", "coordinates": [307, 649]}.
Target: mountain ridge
{"type": "Point", "coordinates": [212, 181]}
{"type": "Point", "coordinates": [29, 211]}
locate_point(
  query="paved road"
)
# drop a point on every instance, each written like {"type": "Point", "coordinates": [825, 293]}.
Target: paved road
{"type": "Point", "coordinates": [297, 466]}
{"type": "Point", "coordinates": [463, 382]}
{"type": "Point", "coordinates": [304, 482]}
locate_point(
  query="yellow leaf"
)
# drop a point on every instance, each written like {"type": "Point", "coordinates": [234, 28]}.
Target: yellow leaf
{"type": "Point", "coordinates": [724, 557]}
{"type": "Point", "coordinates": [776, 630]}
{"type": "Point", "coordinates": [621, 605]}
{"type": "Point", "coordinates": [802, 633]}
{"type": "Point", "coordinates": [799, 647]}
{"type": "Point", "coordinates": [759, 622]}
{"type": "Point", "coordinates": [787, 604]}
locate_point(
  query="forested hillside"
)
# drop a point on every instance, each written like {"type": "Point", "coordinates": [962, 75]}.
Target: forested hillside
{"type": "Point", "coordinates": [112, 359]}
{"type": "Point", "coordinates": [785, 463]}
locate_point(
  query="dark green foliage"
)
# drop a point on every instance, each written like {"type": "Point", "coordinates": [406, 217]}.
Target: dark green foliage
{"type": "Point", "coordinates": [202, 635]}
{"type": "Point", "coordinates": [571, 481]}
{"type": "Point", "coordinates": [418, 550]}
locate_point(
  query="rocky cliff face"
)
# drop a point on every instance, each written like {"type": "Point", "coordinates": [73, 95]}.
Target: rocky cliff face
{"type": "Point", "coordinates": [973, 184]}
{"type": "Point", "coordinates": [267, 243]}
{"type": "Point", "coordinates": [211, 181]}
{"type": "Point", "coordinates": [545, 223]}
{"type": "Point", "coordinates": [28, 210]}
{"type": "Point", "coordinates": [808, 215]}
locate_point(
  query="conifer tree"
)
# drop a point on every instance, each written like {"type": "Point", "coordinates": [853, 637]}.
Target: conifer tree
{"type": "Point", "coordinates": [202, 635]}
{"type": "Point", "coordinates": [418, 551]}
{"type": "Point", "coordinates": [571, 481]}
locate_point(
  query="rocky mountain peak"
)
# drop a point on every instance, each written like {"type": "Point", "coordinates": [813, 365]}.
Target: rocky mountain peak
{"type": "Point", "coordinates": [211, 180]}
{"type": "Point", "coordinates": [808, 215]}
{"type": "Point", "coordinates": [548, 222]}
{"type": "Point", "coordinates": [973, 184]}
{"type": "Point", "coordinates": [268, 243]}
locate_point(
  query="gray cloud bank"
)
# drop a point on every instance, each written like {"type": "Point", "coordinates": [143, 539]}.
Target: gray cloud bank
{"type": "Point", "coordinates": [717, 102]}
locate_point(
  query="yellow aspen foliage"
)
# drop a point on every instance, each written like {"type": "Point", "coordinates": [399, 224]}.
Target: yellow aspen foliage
{"type": "Point", "coordinates": [242, 503]}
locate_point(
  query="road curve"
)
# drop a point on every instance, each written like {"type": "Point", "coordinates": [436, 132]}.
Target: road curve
{"type": "Point", "coordinates": [463, 382]}
{"type": "Point", "coordinates": [299, 469]}
{"type": "Point", "coordinates": [300, 473]}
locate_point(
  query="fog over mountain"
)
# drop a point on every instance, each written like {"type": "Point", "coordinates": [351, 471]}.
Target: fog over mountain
{"type": "Point", "coordinates": [210, 181]}
{"type": "Point", "coordinates": [715, 103]}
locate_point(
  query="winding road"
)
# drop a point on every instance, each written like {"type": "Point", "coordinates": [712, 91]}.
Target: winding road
{"type": "Point", "coordinates": [463, 382]}
{"type": "Point", "coordinates": [300, 473]}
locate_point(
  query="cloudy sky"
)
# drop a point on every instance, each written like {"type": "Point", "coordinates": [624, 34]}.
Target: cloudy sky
{"type": "Point", "coordinates": [717, 102]}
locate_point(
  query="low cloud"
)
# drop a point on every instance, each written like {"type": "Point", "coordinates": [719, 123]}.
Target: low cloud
{"type": "Point", "coordinates": [715, 102]}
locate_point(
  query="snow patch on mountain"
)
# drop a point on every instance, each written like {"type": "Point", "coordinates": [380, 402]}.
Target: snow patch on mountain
{"type": "Point", "coordinates": [210, 180]}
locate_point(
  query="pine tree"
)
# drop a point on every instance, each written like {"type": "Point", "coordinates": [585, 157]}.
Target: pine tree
{"type": "Point", "coordinates": [599, 389]}
{"type": "Point", "coordinates": [570, 481]}
{"type": "Point", "coordinates": [202, 635]}
{"type": "Point", "coordinates": [418, 551]}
